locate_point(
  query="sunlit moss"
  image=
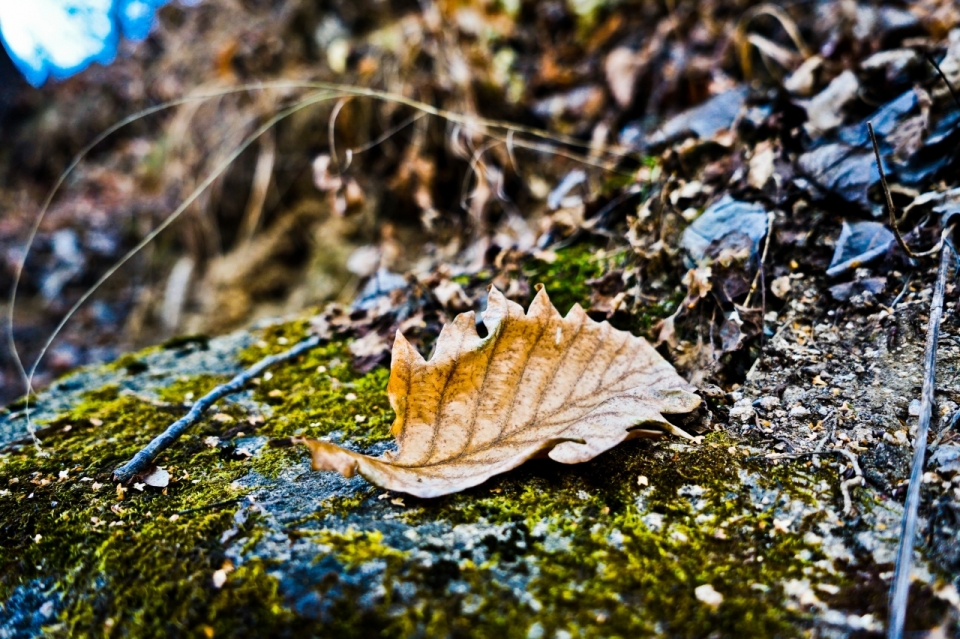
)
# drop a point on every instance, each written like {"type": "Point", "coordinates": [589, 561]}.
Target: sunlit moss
{"type": "Point", "coordinates": [125, 558]}
{"type": "Point", "coordinates": [602, 570]}
{"type": "Point", "coordinates": [565, 278]}
{"type": "Point", "coordinates": [140, 561]}
{"type": "Point", "coordinates": [354, 548]}
{"type": "Point", "coordinates": [592, 549]}
{"type": "Point", "coordinates": [190, 388]}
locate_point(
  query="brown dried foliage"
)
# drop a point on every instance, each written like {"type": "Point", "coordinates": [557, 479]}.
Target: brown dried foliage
{"type": "Point", "coordinates": [538, 383]}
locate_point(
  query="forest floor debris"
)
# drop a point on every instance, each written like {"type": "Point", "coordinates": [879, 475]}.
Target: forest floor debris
{"type": "Point", "coordinates": [800, 319]}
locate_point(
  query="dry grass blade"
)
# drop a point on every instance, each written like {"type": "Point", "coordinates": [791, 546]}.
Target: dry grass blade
{"type": "Point", "coordinates": [496, 129]}
{"type": "Point", "coordinates": [259, 187]}
{"type": "Point", "coordinates": [538, 383]}
{"type": "Point", "coordinates": [891, 209]}
{"type": "Point", "coordinates": [170, 219]}
{"type": "Point", "coordinates": [743, 41]}
{"type": "Point", "coordinates": [943, 76]}
{"type": "Point", "coordinates": [38, 221]}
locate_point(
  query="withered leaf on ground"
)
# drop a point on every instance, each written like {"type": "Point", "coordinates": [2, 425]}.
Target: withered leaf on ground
{"type": "Point", "coordinates": [537, 383]}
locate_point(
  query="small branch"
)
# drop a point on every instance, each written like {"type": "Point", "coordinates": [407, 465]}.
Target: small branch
{"type": "Point", "coordinates": [763, 260]}
{"type": "Point", "coordinates": [954, 420]}
{"type": "Point", "coordinates": [896, 300]}
{"type": "Point", "coordinates": [936, 66]}
{"type": "Point", "coordinates": [901, 580]}
{"type": "Point", "coordinates": [890, 208]}
{"type": "Point", "coordinates": [856, 480]}
{"type": "Point", "coordinates": [143, 459]}
{"type": "Point", "coordinates": [845, 487]}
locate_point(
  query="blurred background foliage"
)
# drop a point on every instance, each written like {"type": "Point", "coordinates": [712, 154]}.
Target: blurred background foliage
{"type": "Point", "coordinates": [354, 185]}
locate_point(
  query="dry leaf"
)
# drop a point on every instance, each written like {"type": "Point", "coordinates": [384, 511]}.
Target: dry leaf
{"type": "Point", "coordinates": [538, 383]}
{"type": "Point", "coordinates": [158, 478]}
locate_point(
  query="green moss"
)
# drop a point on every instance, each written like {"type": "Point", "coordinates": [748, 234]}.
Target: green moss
{"type": "Point", "coordinates": [190, 388]}
{"type": "Point", "coordinates": [250, 601]}
{"type": "Point", "coordinates": [142, 564]}
{"type": "Point", "coordinates": [355, 548]}
{"type": "Point", "coordinates": [157, 586]}
{"type": "Point", "coordinates": [565, 279]}
{"type": "Point", "coordinates": [275, 339]}
{"type": "Point", "coordinates": [603, 570]}
{"type": "Point", "coordinates": [107, 393]}
{"type": "Point", "coordinates": [318, 395]}
{"type": "Point", "coordinates": [644, 317]}
{"type": "Point", "coordinates": [132, 363]}
{"type": "Point", "coordinates": [585, 544]}
{"type": "Point", "coordinates": [585, 549]}
{"type": "Point", "coordinates": [342, 506]}
{"type": "Point", "coordinates": [21, 402]}
{"type": "Point", "coordinates": [124, 559]}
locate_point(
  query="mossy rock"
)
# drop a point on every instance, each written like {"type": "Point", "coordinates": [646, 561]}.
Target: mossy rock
{"type": "Point", "coordinates": [652, 538]}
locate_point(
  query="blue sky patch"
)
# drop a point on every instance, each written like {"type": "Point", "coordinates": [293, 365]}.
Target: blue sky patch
{"type": "Point", "coordinates": [58, 38]}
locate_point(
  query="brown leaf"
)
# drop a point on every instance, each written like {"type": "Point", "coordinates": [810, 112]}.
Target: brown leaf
{"type": "Point", "coordinates": [538, 383]}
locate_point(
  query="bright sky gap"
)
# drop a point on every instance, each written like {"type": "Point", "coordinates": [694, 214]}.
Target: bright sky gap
{"type": "Point", "coordinates": [58, 38]}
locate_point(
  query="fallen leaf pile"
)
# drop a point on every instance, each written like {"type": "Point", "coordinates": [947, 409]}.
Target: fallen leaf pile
{"type": "Point", "coordinates": [537, 383]}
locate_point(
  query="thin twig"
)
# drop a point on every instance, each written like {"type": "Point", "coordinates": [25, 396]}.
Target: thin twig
{"type": "Point", "coordinates": [951, 424]}
{"type": "Point", "coordinates": [890, 207]}
{"type": "Point", "coordinates": [896, 300]}
{"type": "Point", "coordinates": [143, 459]}
{"type": "Point", "coordinates": [901, 579]}
{"type": "Point", "coordinates": [763, 259]}
{"type": "Point", "coordinates": [936, 66]}
{"type": "Point", "coordinates": [856, 480]}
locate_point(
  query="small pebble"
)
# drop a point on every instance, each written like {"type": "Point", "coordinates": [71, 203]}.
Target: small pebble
{"type": "Point", "coordinates": [708, 595]}
{"type": "Point", "coordinates": [767, 402]}
{"type": "Point", "coordinates": [799, 411]}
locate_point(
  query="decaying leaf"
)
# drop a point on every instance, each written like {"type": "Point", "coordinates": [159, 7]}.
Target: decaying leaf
{"type": "Point", "coordinates": [537, 383]}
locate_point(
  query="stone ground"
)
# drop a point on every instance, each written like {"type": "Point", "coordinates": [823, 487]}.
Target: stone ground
{"type": "Point", "coordinates": [725, 537]}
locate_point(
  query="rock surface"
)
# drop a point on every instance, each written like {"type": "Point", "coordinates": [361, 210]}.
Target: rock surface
{"type": "Point", "coordinates": [653, 538]}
